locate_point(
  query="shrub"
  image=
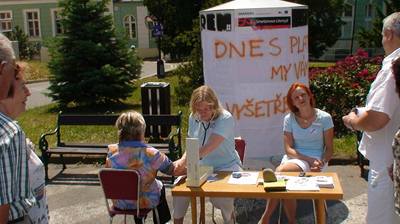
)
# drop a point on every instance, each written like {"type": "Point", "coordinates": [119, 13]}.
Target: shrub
{"type": "Point", "coordinates": [27, 49]}
{"type": "Point", "coordinates": [190, 75]}
{"type": "Point", "coordinates": [341, 87]}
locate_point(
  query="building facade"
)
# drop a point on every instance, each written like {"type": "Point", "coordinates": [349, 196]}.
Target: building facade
{"type": "Point", "coordinates": [40, 20]}
{"type": "Point", "coordinates": [357, 14]}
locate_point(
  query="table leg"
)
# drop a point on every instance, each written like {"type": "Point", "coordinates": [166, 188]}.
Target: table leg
{"type": "Point", "coordinates": [320, 211]}
{"type": "Point", "coordinates": [202, 210]}
{"type": "Point", "coordinates": [194, 209]}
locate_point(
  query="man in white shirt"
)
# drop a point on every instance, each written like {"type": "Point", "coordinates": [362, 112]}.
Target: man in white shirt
{"type": "Point", "coordinates": [379, 123]}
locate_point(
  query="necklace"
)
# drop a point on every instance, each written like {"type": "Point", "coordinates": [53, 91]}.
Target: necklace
{"type": "Point", "coordinates": [307, 120]}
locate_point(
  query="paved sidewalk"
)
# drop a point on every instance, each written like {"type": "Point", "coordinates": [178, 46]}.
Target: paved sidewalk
{"type": "Point", "coordinates": [75, 196]}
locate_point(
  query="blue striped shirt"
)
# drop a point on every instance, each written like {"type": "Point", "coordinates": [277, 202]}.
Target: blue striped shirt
{"type": "Point", "coordinates": [14, 175]}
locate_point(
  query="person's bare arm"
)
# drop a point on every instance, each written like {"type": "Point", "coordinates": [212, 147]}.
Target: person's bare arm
{"type": "Point", "coordinates": [213, 142]}
{"type": "Point", "coordinates": [179, 166]}
{"type": "Point", "coordinates": [369, 121]}
{"type": "Point", "coordinates": [4, 210]}
{"type": "Point", "coordinates": [328, 141]}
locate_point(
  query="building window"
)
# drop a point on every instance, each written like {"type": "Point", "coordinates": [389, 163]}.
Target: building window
{"type": "Point", "coordinates": [150, 26]}
{"type": "Point", "coordinates": [32, 23]}
{"type": "Point", "coordinates": [5, 21]}
{"type": "Point", "coordinates": [130, 26]}
{"type": "Point", "coordinates": [347, 18]}
{"type": "Point", "coordinates": [348, 10]}
{"type": "Point", "coordinates": [56, 21]}
{"type": "Point", "coordinates": [369, 10]}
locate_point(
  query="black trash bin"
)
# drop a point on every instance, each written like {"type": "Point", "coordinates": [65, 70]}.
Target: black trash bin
{"type": "Point", "coordinates": [156, 100]}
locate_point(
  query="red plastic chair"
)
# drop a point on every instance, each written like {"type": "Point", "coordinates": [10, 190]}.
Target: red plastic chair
{"type": "Point", "coordinates": [123, 185]}
{"type": "Point", "coordinates": [240, 146]}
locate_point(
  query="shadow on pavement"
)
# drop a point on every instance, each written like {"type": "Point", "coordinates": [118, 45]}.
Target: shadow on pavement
{"type": "Point", "coordinates": [250, 211]}
{"type": "Point", "coordinates": [74, 179]}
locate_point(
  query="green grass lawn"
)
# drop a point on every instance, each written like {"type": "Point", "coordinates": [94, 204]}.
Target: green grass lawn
{"type": "Point", "coordinates": [320, 64]}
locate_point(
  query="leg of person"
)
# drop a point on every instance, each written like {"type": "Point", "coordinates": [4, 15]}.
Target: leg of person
{"type": "Point", "coordinates": [227, 208]}
{"type": "Point", "coordinates": [164, 214]}
{"type": "Point", "coordinates": [226, 205]}
{"type": "Point", "coordinates": [380, 196]}
{"type": "Point", "coordinates": [290, 210]}
{"type": "Point", "coordinates": [292, 165]}
{"type": "Point", "coordinates": [180, 206]}
{"type": "Point", "coordinates": [269, 210]}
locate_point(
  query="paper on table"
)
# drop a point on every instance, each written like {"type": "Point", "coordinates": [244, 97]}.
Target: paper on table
{"type": "Point", "coordinates": [245, 178]}
{"type": "Point", "coordinates": [302, 184]}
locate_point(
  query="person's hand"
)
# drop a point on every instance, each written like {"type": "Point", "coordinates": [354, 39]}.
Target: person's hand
{"type": "Point", "coordinates": [347, 120]}
{"type": "Point", "coordinates": [312, 163]}
{"type": "Point", "coordinates": [180, 167]}
{"type": "Point", "coordinates": [317, 165]}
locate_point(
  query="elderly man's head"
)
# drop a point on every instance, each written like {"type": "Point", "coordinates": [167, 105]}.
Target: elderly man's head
{"type": "Point", "coordinates": [8, 68]}
{"type": "Point", "coordinates": [391, 33]}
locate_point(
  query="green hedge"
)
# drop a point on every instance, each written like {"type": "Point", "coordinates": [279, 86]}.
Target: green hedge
{"type": "Point", "coordinates": [341, 87]}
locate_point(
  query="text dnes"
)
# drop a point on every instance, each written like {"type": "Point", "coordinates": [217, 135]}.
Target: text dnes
{"type": "Point", "coordinates": [257, 48]}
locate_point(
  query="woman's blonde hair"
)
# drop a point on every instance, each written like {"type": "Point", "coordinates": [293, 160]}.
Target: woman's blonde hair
{"type": "Point", "coordinates": [206, 94]}
{"type": "Point", "coordinates": [131, 126]}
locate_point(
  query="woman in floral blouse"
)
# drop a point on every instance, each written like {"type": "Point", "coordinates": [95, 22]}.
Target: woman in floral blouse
{"type": "Point", "coordinates": [132, 153]}
{"type": "Point", "coordinates": [396, 145]}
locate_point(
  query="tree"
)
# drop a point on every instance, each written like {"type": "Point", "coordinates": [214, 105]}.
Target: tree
{"type": "Point", "coordinates": [190, 74]}
{"type": "Point", "coordinates": [177, 18]}
{"type": "Point", "coordinates": [90, 64]}
{"type": "Point", "coordinates": [371, 37]}
{"type": "Point", "coordinates": [324, 22]}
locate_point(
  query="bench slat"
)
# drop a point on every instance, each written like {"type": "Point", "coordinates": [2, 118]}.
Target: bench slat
{"type": "Point", "coordinates": [75, 119]}
{"type": "Point", "coordinates": [82, 145]}
{"type": "Point", "coordinates": [73, 150]}
{"type": "Point", "coordinates": [92, 150]}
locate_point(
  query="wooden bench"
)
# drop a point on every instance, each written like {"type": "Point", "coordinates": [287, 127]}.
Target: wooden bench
{"type": "Point", "coordinates": [158, 134]}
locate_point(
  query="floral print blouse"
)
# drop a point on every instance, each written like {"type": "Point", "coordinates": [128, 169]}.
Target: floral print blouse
{"type": "Point", "coordinates": [147, 161]}
{"type": "Point", "coordinates": [396, 171]}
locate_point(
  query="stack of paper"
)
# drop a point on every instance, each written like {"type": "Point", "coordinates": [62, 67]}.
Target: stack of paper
{"type": "Point", "coordinates": [324, 181]}
{"type": "Point", "coordinates": [302, 184]}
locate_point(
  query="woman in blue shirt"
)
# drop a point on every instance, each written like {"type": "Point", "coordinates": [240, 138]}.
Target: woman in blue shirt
{"type": "Point", "coordinates": [214, 127]}
{"type": "Point", "coordinates": [308, 141]}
